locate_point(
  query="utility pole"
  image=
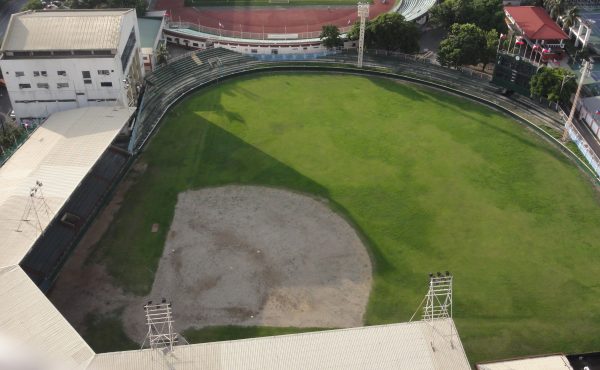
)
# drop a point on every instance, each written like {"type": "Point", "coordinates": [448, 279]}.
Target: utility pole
{"type": "Point", "coordinates": [363, 13]}
{"type": "Point", "coordinates": [584, 71]}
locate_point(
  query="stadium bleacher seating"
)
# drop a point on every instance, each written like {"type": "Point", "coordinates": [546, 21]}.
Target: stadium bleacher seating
{"type": "Point", "coordinates": [44, 260]}
{"type": "Point", "coordinates": [415, 9]}
{"type": "Point", "coordinates": [167, 83]}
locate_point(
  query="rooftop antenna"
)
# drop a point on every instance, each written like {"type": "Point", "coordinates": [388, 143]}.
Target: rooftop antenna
{"type": "Point", "coordinates": [436, 306]}
{"type": "Point", "coordinates": [35, 205]}
{"type": "Point", "coordinates": [161, 334]}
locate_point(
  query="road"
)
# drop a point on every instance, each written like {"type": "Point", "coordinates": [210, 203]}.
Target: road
{"type": "Point", "coordinates": [12, 6]}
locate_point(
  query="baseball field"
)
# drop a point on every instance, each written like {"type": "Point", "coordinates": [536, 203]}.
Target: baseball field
{"type": "Point", "coordinates": [415, 180]}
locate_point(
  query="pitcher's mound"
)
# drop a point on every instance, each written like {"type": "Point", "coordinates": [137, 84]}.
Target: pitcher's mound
{"type": "Point", "coordinates": [249, 255]}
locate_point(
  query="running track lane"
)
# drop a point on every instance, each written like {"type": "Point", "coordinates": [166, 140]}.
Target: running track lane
{"type": "Point", "coordinates": [268, 20]}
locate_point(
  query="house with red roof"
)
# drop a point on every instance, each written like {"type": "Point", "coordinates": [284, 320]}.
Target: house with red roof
{"type": "Point", "coordinates": [537, 30]}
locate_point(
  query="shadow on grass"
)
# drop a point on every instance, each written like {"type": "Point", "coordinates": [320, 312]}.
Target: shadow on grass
{"type": "Point", "coordinates": [131, 252]}
{"type": "Point", "coordinates": [104, 333]}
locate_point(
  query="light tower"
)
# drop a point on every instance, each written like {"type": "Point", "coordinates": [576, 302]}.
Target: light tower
{"type": "Point", "coordinates": [584, 71]}
{"type": "Point", "coordinates": [363, 13]}
{"type": "Point", "coordinates": [436, 308]}
{"type": "Point", "coordinates": [36, 204]}
{"type": "Point", "coordinates": [159, 319]}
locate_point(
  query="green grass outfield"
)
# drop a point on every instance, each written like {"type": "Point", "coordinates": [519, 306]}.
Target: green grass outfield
{"type": "Point", "coordinates": [433, 182]}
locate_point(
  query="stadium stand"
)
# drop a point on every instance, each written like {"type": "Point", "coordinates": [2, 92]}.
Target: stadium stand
{"type": "Point", "coordinates": [49, 252]}
{"type": "Point", "coordinates": [177, 78]}
{"type": "Point", "coordinates": [414, 9]}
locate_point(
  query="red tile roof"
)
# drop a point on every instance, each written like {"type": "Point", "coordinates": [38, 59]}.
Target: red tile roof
{"type": "Point", "coordinates": [535, 23]}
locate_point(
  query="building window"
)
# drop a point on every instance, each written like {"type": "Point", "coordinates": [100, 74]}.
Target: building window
{"type": "Point", "coordinates": [103, 72]}
{"type": "Point", "coordinates": [128, 49]}
{"type": "Point", "coordinates": [24, 86]}
{"type": "Point", "coordinates": [62, 85]}
{"type": "Point", "coordinates": [194, 44]}
{"type": "Point", "coordinates": [254, 51]}
{"type": "Point", "coordinates": [87, 82]}
{"type": "Point", "coordinates": [43, 86]}
{"type": "Point", "coordinates": [36, 74]}
{"type": "Point", "coordinates": [19, 74]}
{"type": "Point", "coordinates": [44, 73]}
{"type": "Point", "coordinates": [106, 84]}
{"type": "Point", "coordinates": [86, 74]}
{"type": "Point", "coordinates": [169, 39]}
{"type": "Point", "coordinates": [40, 73]}
{"type": "Point", "coordinates": [274, 51]}
{"type": "Point", "coordinates": [61, 73]}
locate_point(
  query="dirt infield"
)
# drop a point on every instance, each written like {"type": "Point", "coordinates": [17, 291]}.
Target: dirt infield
{"type": "Point", "coordinates": [234, 255]}
{"type": "Point", "coordinates": [248, 255]}
{"type": "Point", "coordinates": [275, 19]}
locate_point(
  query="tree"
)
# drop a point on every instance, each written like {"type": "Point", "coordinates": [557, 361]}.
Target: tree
{"type": "Point", "coordinates": [391, 32]}
{"type": "Point", "coordinates": [33, 5]}
{"type": "Point", "coordinates": [556, 7]}
{"type": "Point", "coordinates": [466, 44]}
{"type": "Point", "coordinates": [355, 31]}
{"type": "Point", "coordinates": [486, 14]}
{"type": "Point", "coordinates": [488, 55]}
{"type": "Point", "coordinates": [330, 35]}
{"type": "Point", "coordinates": [570, 18]}
{"type": "Point", "coordinates": [553, 84]}
{"type": "Point", "coordinates": [162, 54]}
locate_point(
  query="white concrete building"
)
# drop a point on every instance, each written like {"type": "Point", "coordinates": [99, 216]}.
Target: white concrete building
{"type": "Point", "coordinates": [65, 59]}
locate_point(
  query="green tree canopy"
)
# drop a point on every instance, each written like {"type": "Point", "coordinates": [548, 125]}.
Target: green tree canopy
{"type": "Point", "coordinates": [162, 54]}
{"type": "Point", "coordinates": [33, 5]}
{"type": "Point", "coordinates": [486, 14]}
{"type": "Point", "coordinates": [330, 35]}
{"type": "Point", "coordinates": [390, 32]}
{"type": "Point", "coordinates": [140, 6]}
{"type": "Point", "coordinates": [547, 83]}
{"type": "Point", "coordinates": [466, 44]}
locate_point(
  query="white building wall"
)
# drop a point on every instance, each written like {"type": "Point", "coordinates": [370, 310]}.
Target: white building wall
{"type": "Point", "coordinates": [29, 102]}
{"type": "Point", "coordinates": [272, 49]}
{"type": "Point", "coordinates": [34, 102]}
{"type": "Point", "coordinates": [129, 23]}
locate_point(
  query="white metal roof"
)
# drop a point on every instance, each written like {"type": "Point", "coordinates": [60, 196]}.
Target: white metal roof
{"type": "Point", "coordinates": [64, 30]}
{"type": "Point", "coordinates": [31, 324]}
{"type": "Point", "coordinates": [59, 154]}
{"type": "Point", "coordinates": [550, 362]}
{"type": "Point", "coordinates": [396, 346]}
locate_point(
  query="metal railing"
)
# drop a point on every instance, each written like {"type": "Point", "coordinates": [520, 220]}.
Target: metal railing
{"type": "Point", "coordinates": [584, 148]}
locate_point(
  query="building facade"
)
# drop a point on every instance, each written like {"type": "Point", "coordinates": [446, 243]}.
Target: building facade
{"type": "Point", "coordinates": [58, 60]}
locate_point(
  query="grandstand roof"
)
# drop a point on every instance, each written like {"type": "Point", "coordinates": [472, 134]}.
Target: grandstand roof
{"type": "Point", "coordinates": [59, 154]}
{"type": "Point", "coordinates": [149, 30]}
{"type": "Point", "coordinates": [535, 23]}
{"type": "Point", "coordinates": [396, 346]}
{"type": "Point", "coordinates": [64, 30]}
{"type": "Point", "coordinates": [30, 323]}
{"type": "Point", "coordinates": [549, 362]}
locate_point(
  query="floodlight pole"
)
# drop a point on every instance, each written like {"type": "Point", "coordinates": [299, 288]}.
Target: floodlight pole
{"type": "Point", "coordinates": [363, 13]}
{"type": "Point", "coordinates": [584, 71]}
{"type": "Point", "coordinates": [159, 319]}
{"type": "Point", "coordinates": [437, 306]}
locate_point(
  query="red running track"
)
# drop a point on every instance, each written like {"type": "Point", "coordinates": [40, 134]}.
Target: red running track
{"type": "Point", "coordinates": [268, 20]}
